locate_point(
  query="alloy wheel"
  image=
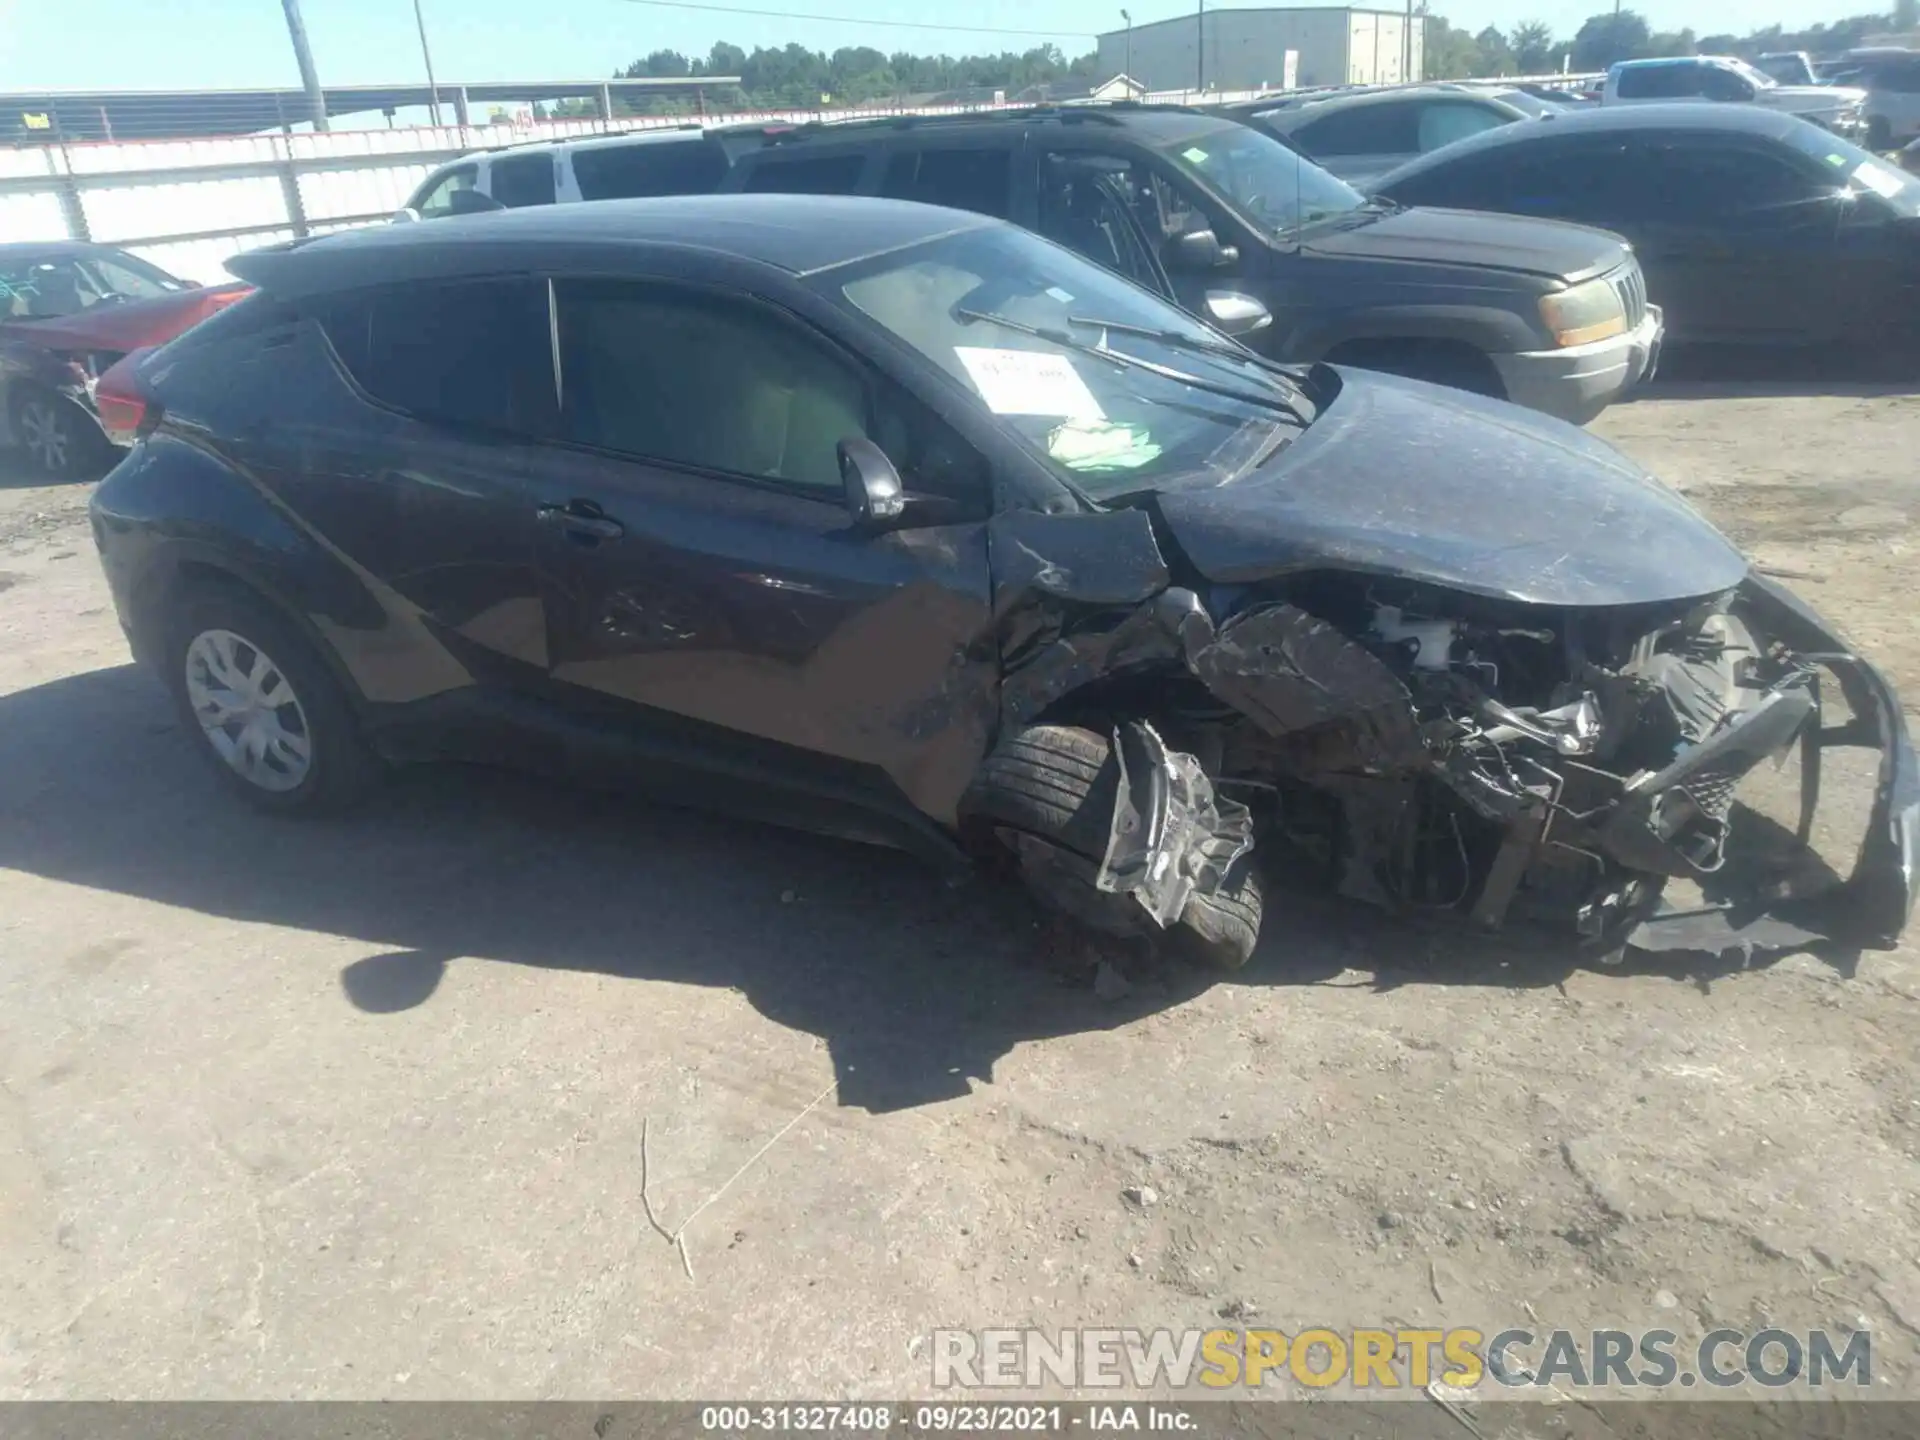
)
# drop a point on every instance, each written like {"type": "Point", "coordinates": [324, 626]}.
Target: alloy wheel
{"type": "Point", "coordinates": [248, 710]}
{"type": "Point", "coordinates": [45, 433]}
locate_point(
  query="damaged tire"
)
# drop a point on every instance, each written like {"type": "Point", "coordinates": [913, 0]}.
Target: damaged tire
{"type": "Point", "coordinates": [1059, 784]}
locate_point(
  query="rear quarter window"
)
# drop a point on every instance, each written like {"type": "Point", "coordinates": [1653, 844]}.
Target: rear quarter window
{"type": "Point", "coordinates": [807, 175]}
{"type": "Point", "coordinates": [469, 353]}
{"type": "Point", "coordinates": [658, 167]}
{"type": "Point", "coordinates": [977, 180]}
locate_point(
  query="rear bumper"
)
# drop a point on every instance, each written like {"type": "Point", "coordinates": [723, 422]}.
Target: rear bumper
{"type": "Point", "coordinates": [1579, 382]}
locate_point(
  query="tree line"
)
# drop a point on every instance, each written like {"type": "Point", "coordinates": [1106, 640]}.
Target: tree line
{"type": "Point", "coordinates": [794, 77]}
{"type": "Point", "coordinates": [1533, 48]}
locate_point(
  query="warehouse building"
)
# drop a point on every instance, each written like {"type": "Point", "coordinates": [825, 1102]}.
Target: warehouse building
{"type": "Point", "coordinates": [1248, 49]}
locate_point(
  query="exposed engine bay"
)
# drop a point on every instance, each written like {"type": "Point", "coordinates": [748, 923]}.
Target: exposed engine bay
{"type": "Point", "coordinates": [1447, 752]}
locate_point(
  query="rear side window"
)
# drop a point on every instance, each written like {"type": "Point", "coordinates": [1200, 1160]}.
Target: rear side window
{"type": "Point", "coordinates": [474, 353]}
{"type": "Point", "coordinates": [654, 167]}
{"type": "Point", "coordinates": [1659, 82]}
{"type": "Point", "coordinates": [1446, 121]}
{"type": "Point", "coordinates": [811, 175]}
{"type": "Point", "coordinates": [977, 180]}
{"type": "Point", "coordinates": [1594, 181]}
{"type": "Point", "coordinates": [1362, 130]}
{"type": "Point", "coordinates": [518, 180]}
{"type": "Point", "coordinates": [1709, 183]}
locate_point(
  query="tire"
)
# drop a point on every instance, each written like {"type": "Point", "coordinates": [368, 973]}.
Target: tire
{"type": "Point", "coordinates": [1059, 784]}
{"type": "Point", "coordinates": [226, 649]}
{"type": "Point", "coordinates": [1219, 931]}
{"type": "Point", "coordinates": [61, 440]}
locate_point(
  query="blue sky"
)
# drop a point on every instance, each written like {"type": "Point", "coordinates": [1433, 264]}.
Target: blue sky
{"type": "Point", "coordinates": [188, 44]}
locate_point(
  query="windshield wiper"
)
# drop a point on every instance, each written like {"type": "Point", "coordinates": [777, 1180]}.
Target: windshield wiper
{"type": "Point", "coordinates": [1132, 362]}
{"type": "Point", "coordinates": [1226, 348]}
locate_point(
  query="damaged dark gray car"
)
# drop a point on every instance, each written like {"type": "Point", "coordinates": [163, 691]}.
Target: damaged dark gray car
{"type": "Point", "coordinates": [912, 527]}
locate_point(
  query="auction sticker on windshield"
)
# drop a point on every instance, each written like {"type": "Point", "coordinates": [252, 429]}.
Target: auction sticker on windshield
{"type": "Point", "coordinates": [1029, 382]}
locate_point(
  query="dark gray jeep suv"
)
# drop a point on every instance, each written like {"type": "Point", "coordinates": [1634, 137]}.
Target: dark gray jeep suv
{"type": "Point", "coordinates": [1264, 244]}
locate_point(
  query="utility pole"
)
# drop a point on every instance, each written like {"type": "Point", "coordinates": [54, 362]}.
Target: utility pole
{"type": "Point", "coordinates": [1128, 69]}
{"type": "Point", "coordinates": [1200, 48]}
{"type": "Point", "coordinates": [433, 89]}
{"type": "Point", "coordinates": [303, 57]}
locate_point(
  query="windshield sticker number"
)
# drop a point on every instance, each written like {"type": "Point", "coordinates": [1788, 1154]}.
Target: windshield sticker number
{"type": "Point", "coordinates": [1029, 382]}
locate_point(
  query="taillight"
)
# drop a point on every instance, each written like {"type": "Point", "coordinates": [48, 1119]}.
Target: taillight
{"type": "Point", "coordinates": [126, 410]}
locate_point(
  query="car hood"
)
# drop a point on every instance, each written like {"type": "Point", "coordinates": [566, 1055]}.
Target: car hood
{"type": "Point", "coordinates": [1401, 478]}
{"type": "Point", "coordinates": [126, 327]}
{"type": "Point", "coordinates": [1813, 99]}
{"type": "Point", "coordinates": [1468, 237]}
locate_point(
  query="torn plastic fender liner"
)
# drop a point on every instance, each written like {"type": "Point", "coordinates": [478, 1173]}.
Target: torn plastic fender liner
{"type": "Point", "coordinates": [1172, 836]}
{"type": "Point", "coordinates": [1171, 627]}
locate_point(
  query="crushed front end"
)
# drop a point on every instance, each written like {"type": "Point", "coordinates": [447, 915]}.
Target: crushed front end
{"type": "Point", "coordinates": [1584, 768]}
{"type": "Point", "coordinates": [1568, 766]}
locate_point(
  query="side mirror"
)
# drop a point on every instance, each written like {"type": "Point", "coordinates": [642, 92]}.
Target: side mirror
{"type": "Point", "coordinates": [406, 215]}
{"type": "Point", "coordinates": [1235, 314]}
{"type": "Point", "coordinates": [1199, 250]}
{"type": "Point", "coordinates": [874, 493]}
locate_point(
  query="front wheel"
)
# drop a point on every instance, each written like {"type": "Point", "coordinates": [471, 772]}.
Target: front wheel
{"type": "Point", "coordinates": [262, 708]}
{"type": "Point", "coordinates": [1058, 784]}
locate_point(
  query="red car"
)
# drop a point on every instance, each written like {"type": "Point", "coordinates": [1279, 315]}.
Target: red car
{"type": "Point", "coordinates": [68, 312]}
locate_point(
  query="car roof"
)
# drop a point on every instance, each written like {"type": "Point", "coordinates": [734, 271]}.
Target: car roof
{"type": "Point", "coordinates": [22, 249]}
{"type": "Point", "coordinates": [1670, 62]}
{"type": "Point", "coordinates": [796, 233]}
{"type": "Point", "coordinates": [1303, 114]}
{"type": "Point", "coordinates": [1610, 120]}
{"type": "Point", "coordinates": [651, 136]}
{"type": "Point", "coordinates": [1161, 123]}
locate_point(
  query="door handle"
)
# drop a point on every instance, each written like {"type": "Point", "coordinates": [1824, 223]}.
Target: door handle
{"type": "Point", "coordinates": [583, 519]}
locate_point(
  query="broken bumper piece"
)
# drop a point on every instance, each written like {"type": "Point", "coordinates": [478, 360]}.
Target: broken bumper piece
{"type": "Point", "coordinates": [1870, 907]}
{"type": "Point", "coordinates": [1172, 835]}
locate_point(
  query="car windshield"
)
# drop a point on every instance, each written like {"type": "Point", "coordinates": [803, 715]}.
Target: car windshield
{"type": "Point", "coordinates": [1265, 181]}
{"type": "Point", "coordinates": [1850, 165]}
{"type": "Point", "coordinates": [1786, 69]}
{"type": "Point", "coordinates": [1761, 80]}
{"type": "Point", "coordinates": [1118, 390]}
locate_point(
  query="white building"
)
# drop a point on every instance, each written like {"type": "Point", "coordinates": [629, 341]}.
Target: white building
{"type": "Point", "coordinates": [1247, 49]}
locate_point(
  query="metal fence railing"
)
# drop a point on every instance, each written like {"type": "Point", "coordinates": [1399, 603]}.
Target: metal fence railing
{"type": "Point", "coordinates": [190, 204]}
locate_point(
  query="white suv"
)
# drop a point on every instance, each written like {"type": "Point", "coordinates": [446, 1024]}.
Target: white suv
{"type": "Point", "coordinates": [1721, 77]}
{"type": "Point", "coordinates": [684, 160]}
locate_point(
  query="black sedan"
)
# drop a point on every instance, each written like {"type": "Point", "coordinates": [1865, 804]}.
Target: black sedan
{"type": "Point", "coordinates": [1753, 227]}
{"type": "Point", "coordinates": [908, 525]}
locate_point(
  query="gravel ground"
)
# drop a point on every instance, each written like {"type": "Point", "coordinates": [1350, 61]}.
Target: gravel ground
{"type": "Point", "coordinates": [359, 1109]}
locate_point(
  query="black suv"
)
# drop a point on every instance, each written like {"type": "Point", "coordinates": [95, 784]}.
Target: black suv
{"type": "Point", "coordinates": [1264, 244]}
{"type": "Point", "coordinates": [906, 525]}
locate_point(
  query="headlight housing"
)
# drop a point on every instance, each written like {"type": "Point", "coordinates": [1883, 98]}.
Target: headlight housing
{"type": "Point", "coordinates": [1584, 313]}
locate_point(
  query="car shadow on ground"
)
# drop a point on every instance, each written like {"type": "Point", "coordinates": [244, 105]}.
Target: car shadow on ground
{"type": "Point", "coordinates": [1768, 373]}
{"type": "Point", "coordinates": [915, 987]}
{"type": "Point", "coordinates": [18, 472]}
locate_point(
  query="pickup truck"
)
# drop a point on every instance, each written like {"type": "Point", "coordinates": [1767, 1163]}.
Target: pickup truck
{"type": "Point", "coordinates": [1723, 78]}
